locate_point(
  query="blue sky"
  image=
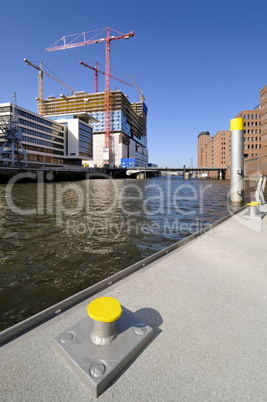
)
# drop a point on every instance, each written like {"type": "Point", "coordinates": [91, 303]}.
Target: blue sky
{"type": "Point", "coordinates": [199, 63]}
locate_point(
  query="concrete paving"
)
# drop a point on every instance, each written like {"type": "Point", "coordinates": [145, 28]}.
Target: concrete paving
{"type": "Point", "coordinates": [207, 305]}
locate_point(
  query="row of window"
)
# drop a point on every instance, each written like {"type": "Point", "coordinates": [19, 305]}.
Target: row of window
{"type": "Point", "coordinates": [251, 116]}
{"type": "Point", "coordinates": [39, 120]}
{"type": "Point", "coordinates": [39, 149]}
{"type": "Point", "coordinates": [85, 143]}
{"type": "Point", "coordinates": [44, 159]}
{"type": "Point", "coordinates": [38, 127]}
{"type": "Point", "coordinates": [251, 123]}
{"type": "Point", "coordinates": [85, 149]}
{"type": "Point", "coordinates": [252, 146]}
{"type": "Point", "coordinates": [85, 129]}
{"type": "Point", "coordinates": [41, 142]}
{"type": "Point", "coordinates": [256, 131]}
{"type": "Point", "coordinates": [38, 134]}
{"type": "Point", "coordinates": [86, 155]}
{"type": "Point", "coordinates": [85, 138]}
{"type": "Point", "coordinates": [251, 139]}
{"type": "Point", "coordinates": [250, 155]}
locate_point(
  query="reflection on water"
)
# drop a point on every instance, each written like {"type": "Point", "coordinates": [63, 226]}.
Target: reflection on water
{"type": "Point", "coordinates": [59, 238]}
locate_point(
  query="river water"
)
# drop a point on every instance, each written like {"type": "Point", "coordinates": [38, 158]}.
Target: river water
{"type": "Point", "coordinates": [59, 238]}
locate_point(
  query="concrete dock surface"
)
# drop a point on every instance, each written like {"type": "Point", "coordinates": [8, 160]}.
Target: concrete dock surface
{"type": "Point", "coordinates": [207, 305]}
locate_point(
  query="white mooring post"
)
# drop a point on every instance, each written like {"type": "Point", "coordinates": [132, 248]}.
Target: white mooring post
{"type": "Point", "coordinates": [237, 161]}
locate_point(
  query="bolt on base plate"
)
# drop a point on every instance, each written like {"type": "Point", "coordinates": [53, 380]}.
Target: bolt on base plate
{"type": "Point", "coordinates": [98, 365]}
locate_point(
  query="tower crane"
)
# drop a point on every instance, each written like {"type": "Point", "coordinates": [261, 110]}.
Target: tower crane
{"type": "Point", "coordinates": [40, 79]}
{"type": "Point", "coordinates": [76, 40]}
{"type": "Point", "coordinates": [142, 98]}
{"type": "Point", "coordinates": [12, 134]}
{"type": "Point", "coordinates": [96, 70]}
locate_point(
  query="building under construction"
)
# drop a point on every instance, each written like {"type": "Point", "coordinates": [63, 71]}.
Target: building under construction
{"type": "Point", "coordinates": [128, 124]}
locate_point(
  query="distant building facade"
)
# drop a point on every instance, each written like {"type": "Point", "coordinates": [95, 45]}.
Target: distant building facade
{"type": "Point", "coordinates": [65, 140]}
{"type": "Point", "coordinates": [252, 132]}
{"type": "Point", "coordinates": [263, 119]}
{"type": "Point", "coordinates": [79, 136]}
{"type": "Point", "coordinates": [215, 151]}
{"type": "Point", "coordinates": [203, 140]}
{"type": "Point", "coordinates": [221, 149]}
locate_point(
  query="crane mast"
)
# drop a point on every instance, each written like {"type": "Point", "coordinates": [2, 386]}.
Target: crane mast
{"type": "Point", "coordinates": [12, 134]}
{"type": "Point", "coordinates": [96, 70]}
{"type": "Point", "coordinates": [142, 98]}
{"type": "Point", "coordinates": [76, 40]}
{"type": "Point", "coordinates": [40, 79]}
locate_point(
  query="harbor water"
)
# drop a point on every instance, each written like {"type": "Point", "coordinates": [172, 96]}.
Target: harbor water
{"type": "Point", "coordinates": [60, 238]}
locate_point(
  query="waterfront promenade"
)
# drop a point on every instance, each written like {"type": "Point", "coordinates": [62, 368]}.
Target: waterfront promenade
{"type": "Point", "coordinates": [206, 302]}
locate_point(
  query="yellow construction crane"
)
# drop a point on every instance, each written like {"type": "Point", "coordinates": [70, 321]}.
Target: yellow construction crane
{"type": "Point", "coordinates": [142, 98]}
{"type": "Point", "coordinates": [40, 79]}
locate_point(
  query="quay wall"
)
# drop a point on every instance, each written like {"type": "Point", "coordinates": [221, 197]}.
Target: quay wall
{"type": "Point", "coordinates": [58, 174]}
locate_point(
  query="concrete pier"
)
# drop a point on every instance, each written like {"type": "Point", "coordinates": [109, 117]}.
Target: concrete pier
{"type": "Point", "coordinates": [206, 303]}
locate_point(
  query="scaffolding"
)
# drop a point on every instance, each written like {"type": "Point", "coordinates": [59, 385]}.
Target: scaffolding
{"type": "Point", "coordinates": [132, 117]}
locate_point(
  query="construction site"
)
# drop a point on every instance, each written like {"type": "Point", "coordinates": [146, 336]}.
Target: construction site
{"type": "Point", "coordinates": [127, 125]}
{"type": "Point", "coordinates": [119, 127]}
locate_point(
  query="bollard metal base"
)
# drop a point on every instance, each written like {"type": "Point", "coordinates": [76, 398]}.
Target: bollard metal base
{"type": "Point", "coordinates": [98, 365]}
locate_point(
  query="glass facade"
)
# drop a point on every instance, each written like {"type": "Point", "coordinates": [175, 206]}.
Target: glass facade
{"type": "Point", "coordinates": [42, 138]}
{"type": "Point", "coordinates": [55, 139]}
{"type": "Point", "coordinates": [85, 141]}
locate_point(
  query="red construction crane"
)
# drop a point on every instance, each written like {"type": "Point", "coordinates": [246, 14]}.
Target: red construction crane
{"type": "Point", "coordinates": [96, 70]}
{"type": "Point", "coordinates": [80, 39]}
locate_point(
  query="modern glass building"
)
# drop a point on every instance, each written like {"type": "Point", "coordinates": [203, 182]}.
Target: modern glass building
{"type": "Point", "coordinates": [51, 141]}
{"type": "Point", "coordinates": [79, 136]}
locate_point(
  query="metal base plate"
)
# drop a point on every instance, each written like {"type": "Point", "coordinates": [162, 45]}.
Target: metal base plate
{"type": "Point", "coordinates": [97, 365]}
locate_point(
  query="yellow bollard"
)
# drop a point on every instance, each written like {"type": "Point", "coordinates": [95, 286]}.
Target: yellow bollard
{"type": "Point", "coordinates": [104, 311]}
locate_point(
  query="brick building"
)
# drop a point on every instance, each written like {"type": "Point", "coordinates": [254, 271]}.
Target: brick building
{"type": "Point", "coordinates": [263, 119]}
{"type": "Point", "coordinates": [252, 132]}
{"type": "Point", "coordinates": [215, 151]}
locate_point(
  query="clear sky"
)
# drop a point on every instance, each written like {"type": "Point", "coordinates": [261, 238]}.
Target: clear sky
{"type": "Point", "coordinates": [198, 62]}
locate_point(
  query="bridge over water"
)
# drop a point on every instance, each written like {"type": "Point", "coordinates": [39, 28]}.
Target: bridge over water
{"type": "Point", "coordinates": [221, 172]}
